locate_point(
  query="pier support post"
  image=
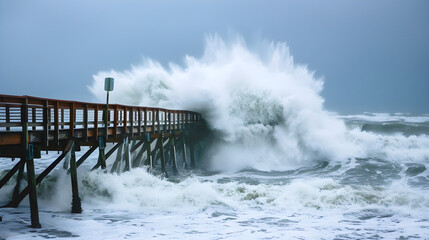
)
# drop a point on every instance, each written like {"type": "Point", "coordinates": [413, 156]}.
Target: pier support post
{"type": "Point", "coordinates": [137, 159]}
{"type": "Point", "coordinates": [127, 154]}
{"type": "Point", "coordinates": [191, 149]}
{"type": "Point", "coordinates": [184, 152]}
{"type": "Point", "coordinates": [167, 154]}
{"type": "Point", "coordinates": [117, 163]}
{"type": "Point", "coordinates": [76, 203]}
{"type": "Point", "coordinates": [148, 153]}
{"type": "Point", "coordinates": [162, 155]}
{"type": "Point", "coordinates": [34, 209]}
{"type": "Point", "coordinates": [155, 152]}
{"type": "Point", "coordinates": [173, 155]}
{"type": "Point", "coordinates": [31, 176]}
{"type": "Point", "coordinates": [101, 156]}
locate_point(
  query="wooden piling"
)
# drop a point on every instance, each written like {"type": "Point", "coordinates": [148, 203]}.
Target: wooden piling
{"type": "Point", "coordinates": [126, 155]}
{"type": "Point", "coordinates": [192, 153]}
{"type": "Point", "coordinates": [76, 202]}
{"type": "Point", "coordinates": [117, 163]}
{"type": "Point", "coordinates": [184, 152]}
{"type": "Point", "coordinates": [173, 155]}
{"type": "Point", "coordinates": [66, 163]}
{"type": "Point", "coordinates": [101, 156]}
{"type": "Point", "coordinates": [155, 151]}
{"type": "Point", "coordinates": [167, 154]}
{"type": "Point", "coordinates": [31, 176]}
{"type": "Point", "coordinates": [136, 161]}
{"type": "Point", "coordinates": [162, 155]}
{"type": "Point", "coordinates": [32, 196]}
{"type": "Point", "coordinates": [148, 152]}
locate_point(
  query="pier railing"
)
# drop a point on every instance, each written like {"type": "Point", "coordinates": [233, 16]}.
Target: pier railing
{"type": "Point", "coordinates": [51, 122]}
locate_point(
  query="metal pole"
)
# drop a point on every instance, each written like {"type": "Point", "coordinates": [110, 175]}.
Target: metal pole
{"type": "Point", "coordinates": [106, 115]}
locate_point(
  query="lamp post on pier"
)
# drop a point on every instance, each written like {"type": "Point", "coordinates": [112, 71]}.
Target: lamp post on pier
{"type": "Point", "coordinates": [108, 86]}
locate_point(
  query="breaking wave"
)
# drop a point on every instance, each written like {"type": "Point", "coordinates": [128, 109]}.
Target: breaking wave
{"type": "Point", "coordinates": [265, 110]}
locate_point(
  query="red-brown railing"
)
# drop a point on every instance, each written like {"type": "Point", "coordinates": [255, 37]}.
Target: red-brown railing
{"type": "Point", "coordinates": [49, 120]}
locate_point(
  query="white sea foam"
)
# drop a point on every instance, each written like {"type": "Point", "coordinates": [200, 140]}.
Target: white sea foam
{"type": "Point", "coordinates": [136, 203]}
{"type": "Point", "coordinates": [138, 189]}
{"type": "Point", "coordinates": [388, 117]}
{"type": "Point", "coordinates": [266, 110]}
{"type": "Point", "coordinates": [397, 148]}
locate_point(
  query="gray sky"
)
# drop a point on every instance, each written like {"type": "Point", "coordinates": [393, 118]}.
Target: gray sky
{"type": "Point", "coordinates": [373, 55]}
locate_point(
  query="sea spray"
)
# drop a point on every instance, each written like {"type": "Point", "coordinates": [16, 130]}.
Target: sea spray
{"type": "Point", "coordinates": [266, 110]}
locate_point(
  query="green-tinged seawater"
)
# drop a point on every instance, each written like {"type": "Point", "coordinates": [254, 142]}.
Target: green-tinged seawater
{"type": "Point", "coordinates": [381, 193]}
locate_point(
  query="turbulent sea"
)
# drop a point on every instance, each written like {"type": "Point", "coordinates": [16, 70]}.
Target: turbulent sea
{"type": "Point", "coordinates": [383, 197]}
{"type": "Point", "coordinates": [274, 165]}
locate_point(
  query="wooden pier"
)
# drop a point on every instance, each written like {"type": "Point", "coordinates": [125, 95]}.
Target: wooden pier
{"type": "Point", "coordinates": [30, 125]}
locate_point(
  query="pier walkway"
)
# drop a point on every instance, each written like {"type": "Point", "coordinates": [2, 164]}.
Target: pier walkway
{"type": "Point", "coordinates": [30, 125]}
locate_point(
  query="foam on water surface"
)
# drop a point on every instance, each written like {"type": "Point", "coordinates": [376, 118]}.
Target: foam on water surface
{"type": "Point", "coordinates": [136, 204]}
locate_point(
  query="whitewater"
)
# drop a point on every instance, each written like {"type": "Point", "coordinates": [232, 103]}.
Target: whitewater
{"type": "Point", "coordinates": [276, 164]}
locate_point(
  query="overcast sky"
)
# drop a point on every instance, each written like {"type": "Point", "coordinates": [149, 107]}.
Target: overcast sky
{"type": "Point", "coordinates": [373, 55]}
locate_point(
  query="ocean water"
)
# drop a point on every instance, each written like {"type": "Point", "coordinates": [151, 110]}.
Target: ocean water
{"type": "Point", "coordinates": [275, 164]}
{"type": "Point", "coordinates": [376, 197]}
